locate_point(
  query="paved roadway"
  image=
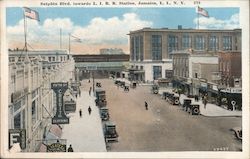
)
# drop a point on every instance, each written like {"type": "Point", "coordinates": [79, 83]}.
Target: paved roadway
{"type": "Point", "coordinates": [164, 127]}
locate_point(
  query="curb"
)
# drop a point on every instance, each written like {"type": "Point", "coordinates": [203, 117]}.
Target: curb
{"type": "Point", "coordinates": [237, 116]}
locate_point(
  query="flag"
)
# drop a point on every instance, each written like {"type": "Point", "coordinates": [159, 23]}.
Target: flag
{"type": "Point", "coordinates": [76, 39]}
{"type": "Point", "coordinates": [202, 11]}
{"type": "Point", "coordinates": [32, 14]}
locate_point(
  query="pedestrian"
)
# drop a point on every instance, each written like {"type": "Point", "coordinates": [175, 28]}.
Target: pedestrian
{"type": "Point", "coordinates": [196, 98]}
{"type": "Point", "coordinates": [89, 80]}
{"type": "Point", "coordinates": [80, 112]}
{"type": "Point", "coordinates": [205, 101]}
{"type": "Point", "coordinates": [70, 149]}
{"type": "Point", "coordinates": [146, 105]}
{"type": "Point", "coordinates": [89, 110]}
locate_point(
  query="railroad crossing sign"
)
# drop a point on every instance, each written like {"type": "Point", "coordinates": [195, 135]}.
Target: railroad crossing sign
{"type": "Point", "coordinates": [60, 88]}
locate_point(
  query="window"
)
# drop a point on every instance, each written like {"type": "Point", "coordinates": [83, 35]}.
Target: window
{"type": "Point", "coordinates": [227, 42]}
{"type": "Point", "coordinates": [186, 42]}
{"type": "Point", "coordinates": [199, 42]}
{"type": "Point", "coordinates": [157, 72]}
{"type": "Point", "coordinates": [49, 58]}
{"type": "Point", "coordinates": [213, 43]}
{"type": "Point", "coordinates": [141, 48]}
{"type": "Point", "coordinates": [156, 43]}
{"type": "Point", "coordinates": [137, 43]}
{"type": "Point", "coordinates": [132, 48]}
{"type": "Point", "coordinates": [196, 75]}
{"type": "Point", "coordinates": [61, 58]}
{"type": "Point", "coordinates": [172, 43]}
{"type": "Point", "coordinates": [168, 73]}
{"type": "Point", "coordinates": [12, 59]}
{"type": "Point", "coordinates": [141, 67]}
{"type": "Point", "coordinates": [23, 119]}
{"type": "Point", "coordinates": [53, 59]}
{"type": "Point", "coordinates": [17, 121]}
{"type": "Point", "coordinates": [33, 111]}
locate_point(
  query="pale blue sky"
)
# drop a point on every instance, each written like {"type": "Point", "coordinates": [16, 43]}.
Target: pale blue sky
{"type": "Point", "coordinates": [161, 17]}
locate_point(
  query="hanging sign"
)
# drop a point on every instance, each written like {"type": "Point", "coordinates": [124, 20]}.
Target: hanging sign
{"type": "Point", "coordinates": [17, 136]}
{"type": "Point", "coordinates": [60, 88]}
{"type": "Point", "coordinates": [56, 147]}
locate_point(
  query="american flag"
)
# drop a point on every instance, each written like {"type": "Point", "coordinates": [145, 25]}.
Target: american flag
{"type": "Point", "coordinates": [32, 14]}
{"type": "Point", "coordinates": [202, 11]}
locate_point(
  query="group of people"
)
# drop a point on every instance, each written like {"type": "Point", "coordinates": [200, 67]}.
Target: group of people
{"type": "Point", "coordinates": [89, 110]}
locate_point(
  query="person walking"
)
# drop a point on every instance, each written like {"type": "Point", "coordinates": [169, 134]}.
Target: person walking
{"type": "Point", "coordinates": [205, 102]}
{"type": "Point", "coordinates": [146, 105]}
{"type": "Point", "coordinates": [80, 112]}
{"type": "Point", "coordinates": [89, 110]}
{"type": "Point", "coordinates": [70, 149]}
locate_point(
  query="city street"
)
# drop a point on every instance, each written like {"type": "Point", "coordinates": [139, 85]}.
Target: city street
{"type": "Point", "coordinates": [164, 127]}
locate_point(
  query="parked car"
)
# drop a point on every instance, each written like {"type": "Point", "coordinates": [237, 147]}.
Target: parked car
{"type": "Point", "coordinates": [155, 89]}
{"type": "Point", "coordinates": [110, 133]}
{"type": "Point", "coordinates": [104, 113]}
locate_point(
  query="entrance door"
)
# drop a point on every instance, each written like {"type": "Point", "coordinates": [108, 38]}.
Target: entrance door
{"type": "Point", "coordinates": [157, 72]}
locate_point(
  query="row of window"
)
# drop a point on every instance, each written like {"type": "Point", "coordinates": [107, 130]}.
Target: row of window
{"type": "Point", "coordinates": [137, 48]}
{"type": "Point", "coordinates": [174, 44]}
{"type": "Point", "coordinates": [49, 58]}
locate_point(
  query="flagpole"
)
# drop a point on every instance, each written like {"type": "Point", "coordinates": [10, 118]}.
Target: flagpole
{"type": "Point", "coordinates": [60, 38]}
{"type": "Point", "coordinates": [69, 43]}
{"type": "Point", "coordinates": [198, 18]}
{"type": "Point", "coordinates": [25, 32]}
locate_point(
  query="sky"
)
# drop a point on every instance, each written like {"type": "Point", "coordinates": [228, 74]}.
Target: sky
{"type": "Point", "coordinates": [105, 27]}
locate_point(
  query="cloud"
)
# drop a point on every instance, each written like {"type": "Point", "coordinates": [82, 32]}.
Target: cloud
{"type": "Point", "coordinates": [213, 23]}
{"type": "Point", "coordinates": [112, 30]}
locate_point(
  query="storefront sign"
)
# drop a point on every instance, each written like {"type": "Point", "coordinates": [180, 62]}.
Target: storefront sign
{"type": "Point", "coordinates": [17, 136]}
{"type": "Point", "coordinates": [60, 117]}
{"type": "Point", "coordinates": [56, 147]}
{"type": "Point", "coordinates": [70, 106]}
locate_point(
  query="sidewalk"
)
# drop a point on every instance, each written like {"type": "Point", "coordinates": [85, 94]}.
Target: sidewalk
{"type": "Point", "coordinates": [85, 134]}
{"type": "Point", "coordinates": [211, 110]}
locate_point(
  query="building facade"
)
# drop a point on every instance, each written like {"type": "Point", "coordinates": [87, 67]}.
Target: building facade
{"type": "Point", "coordinates": [31, 99]}
{"type": "Point", "coordinates": [192, 69]}
{"type": "Point", "coordinates": [230, 69]}
{"type": "Point", "coordinates": [101, 65]}
{"type": "Point", "coordinates": [150, 49]}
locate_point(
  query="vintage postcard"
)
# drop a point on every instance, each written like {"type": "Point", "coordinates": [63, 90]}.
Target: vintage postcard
{"type": "Point", "coordinates": [125, 79]}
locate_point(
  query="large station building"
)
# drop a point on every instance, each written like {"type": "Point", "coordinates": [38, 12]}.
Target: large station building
{"type": "Point", "coordinates": [151, 49]}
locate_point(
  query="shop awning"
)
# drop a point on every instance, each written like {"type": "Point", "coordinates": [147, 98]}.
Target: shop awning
{"type": "Point", "coordinates": [56, 130]}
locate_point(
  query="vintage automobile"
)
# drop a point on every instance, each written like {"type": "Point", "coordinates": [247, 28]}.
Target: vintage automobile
{"type": "Point", "coordinates": [98, 84]}
{"type": "Point", "coordinates": [133, 85]}
{"type": "Point", "coordinates": [174, 99]}
{"type": "Point", "coordinates": [104, 113]}
{"type": "Point", "coordinates": [110, 133]}
{"type": "Point", "coordinates": [155, 89]}
{"type": "Point", "coordinates": [100, 97]}
{"type": "Point", "coordinates": [237, 132]}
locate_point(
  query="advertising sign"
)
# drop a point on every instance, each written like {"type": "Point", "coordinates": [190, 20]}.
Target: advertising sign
{"type": "Point", "coordinates": [56, 147]}
{"type": "Point", "coordinates": [60, 88]}
{"type": "Point", "coordinates": [17, 136]}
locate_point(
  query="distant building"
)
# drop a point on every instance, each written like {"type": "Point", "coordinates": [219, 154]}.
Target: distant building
{"type": "Point", "coordinates": [111, 51]}
{"type": "Point", "coordinates": [101, 65]}
{"type": "Point", "coordinates": [150, 49]}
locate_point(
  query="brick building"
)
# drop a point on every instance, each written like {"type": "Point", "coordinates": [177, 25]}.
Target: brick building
{"type": "Point", "coordinates": [230, 68]}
